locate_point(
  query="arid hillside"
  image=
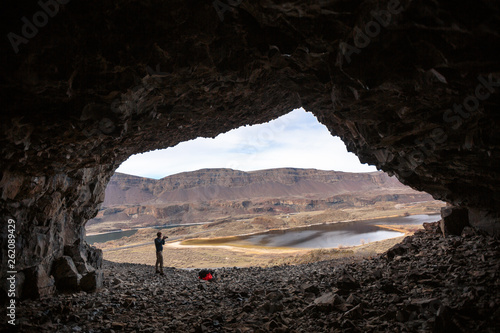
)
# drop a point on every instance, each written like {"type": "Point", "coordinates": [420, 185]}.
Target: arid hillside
{"type": "Point", "coordinates": [214, 194]}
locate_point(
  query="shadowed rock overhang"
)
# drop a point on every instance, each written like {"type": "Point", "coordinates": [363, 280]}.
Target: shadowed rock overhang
{"type": "Point", "coordinates": [410, 86]}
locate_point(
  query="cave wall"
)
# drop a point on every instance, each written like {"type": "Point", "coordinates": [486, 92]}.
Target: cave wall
{"type": "Point", "coordinates": [410, 86]}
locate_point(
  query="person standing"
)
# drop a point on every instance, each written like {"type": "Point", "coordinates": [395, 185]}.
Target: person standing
{"type": "Point", "coordinates": [159, 242]}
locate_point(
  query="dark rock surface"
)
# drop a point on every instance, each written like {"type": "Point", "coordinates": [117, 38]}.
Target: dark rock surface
{"type": "Point", "coordinates": [433, 284]}
{"type": "Point", "coordinates": [453, 220]}
{"type": "Point", "coordinates": [410, 86]}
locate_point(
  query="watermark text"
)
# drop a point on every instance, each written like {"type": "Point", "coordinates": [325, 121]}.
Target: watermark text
{"type": "Point", "coordinates": [455, 117]}
{"type": "Point", "coordinates": [11, 271]}
{"type": "Point", "coordinates": [221, 7]}
{"type": "Point", "coordinates": [30, 28]}
{"type": "Point", "coordinates": [362, 39]}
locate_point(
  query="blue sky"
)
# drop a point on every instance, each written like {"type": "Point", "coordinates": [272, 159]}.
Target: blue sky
{"type": "Point", "coordinates": [295, 140]}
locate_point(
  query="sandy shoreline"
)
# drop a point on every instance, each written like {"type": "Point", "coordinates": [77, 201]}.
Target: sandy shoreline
{"type": "Point", "coordinates": [394, 228]}
{"type": "Point", "coordinates": [259, 232]}
{"type": "Point", "coordinates": [243, 248]}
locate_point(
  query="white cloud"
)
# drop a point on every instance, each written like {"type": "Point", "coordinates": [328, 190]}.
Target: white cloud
{"type": "Point", "coordinates": [293, 140]}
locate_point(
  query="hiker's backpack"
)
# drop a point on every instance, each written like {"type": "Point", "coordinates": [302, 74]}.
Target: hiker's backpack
{"type": "Point", "coordinates": [206, 275]}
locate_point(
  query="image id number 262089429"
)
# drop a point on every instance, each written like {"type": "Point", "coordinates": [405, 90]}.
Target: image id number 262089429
{"type": "Point", "coordinates": [11, 271]}
{"type": "Point", "coordinates": [11, 251]}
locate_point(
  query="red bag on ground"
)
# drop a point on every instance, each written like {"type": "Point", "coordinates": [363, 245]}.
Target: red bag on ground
{"type": "Point", "coordinates": [207, 277]}
{"type": "Point", "coordinates": [205, 274]}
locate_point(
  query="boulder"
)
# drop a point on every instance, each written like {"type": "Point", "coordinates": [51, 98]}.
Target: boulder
{"type": "Point", "coordinates": [85, 257]}
{"type": "Point", "coordinates": [432, 227]}
{"type": "Point", "coordinates": [91, 281]}
{"type": "Point", "coordinates": [453, 220]}
{"type": "Point", "coordinates": [397, 250]}
{"type": "Point", "coordinates": [66, 275]}
{"type": "Point", "coordinates": [36, 283]}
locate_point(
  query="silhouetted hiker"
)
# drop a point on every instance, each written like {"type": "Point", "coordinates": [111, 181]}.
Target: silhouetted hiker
{"type": "Point", "coordinates": [159, 242]}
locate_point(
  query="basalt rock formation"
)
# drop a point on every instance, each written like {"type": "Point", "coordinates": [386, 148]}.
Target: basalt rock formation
{"type": "Point", "coordinates": [210, 194]}
{"type": "Point", "coordinates": [410, 86]}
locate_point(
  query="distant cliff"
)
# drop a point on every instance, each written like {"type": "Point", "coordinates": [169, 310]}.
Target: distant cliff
{"type": "Point", "coordinates": [228, 184]}
{"type": "Point", "coordinates": [207, 194]}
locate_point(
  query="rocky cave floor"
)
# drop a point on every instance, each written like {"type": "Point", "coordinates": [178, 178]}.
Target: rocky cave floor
{"type": "Point", "coordinates": [426, 283]}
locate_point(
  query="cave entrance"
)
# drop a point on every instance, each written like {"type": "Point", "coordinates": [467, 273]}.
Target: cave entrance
{"type": "Point", "coordinates": [295, 140]}
{"type": "Point", "coordinates": [178, 186]}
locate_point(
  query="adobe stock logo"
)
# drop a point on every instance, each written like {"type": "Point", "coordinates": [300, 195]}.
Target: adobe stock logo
{"type": "Point", "coordinates": [381, 19]}
{"type": "Point", "coordinates": [221, 7]}
{"type": "Point", "coordinates": [454, 118]}
{"type": "Point", "coordinates": [29, 30]}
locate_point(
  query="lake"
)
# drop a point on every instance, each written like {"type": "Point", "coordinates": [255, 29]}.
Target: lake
{"type": "Point", "coordinates": [114, 235]}
{"type": "Point", "coordinates": [319, 236]}
{"type": "Point", "coordinates": [324, 235]}
{"type": "Point", "coordinates": [101, 238]}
